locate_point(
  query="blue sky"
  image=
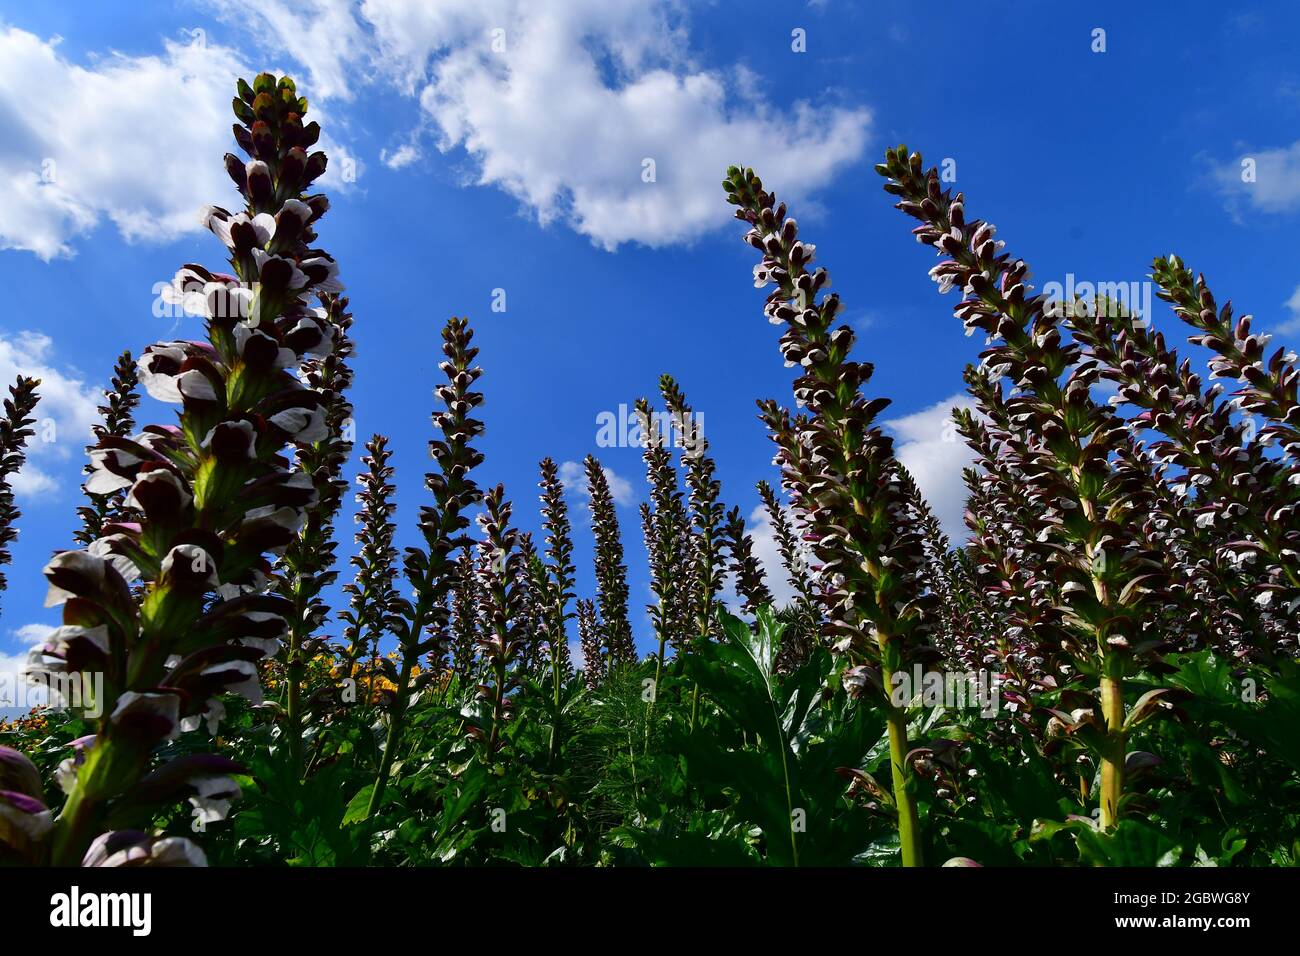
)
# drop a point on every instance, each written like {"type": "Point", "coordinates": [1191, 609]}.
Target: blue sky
{"type": "Point", "coordinates": [459, 169]}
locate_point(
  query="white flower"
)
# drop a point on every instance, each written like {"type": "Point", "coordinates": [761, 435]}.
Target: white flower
{"type": "Point", "coordinates": [245, 334]}
{"type": "Point", "coordinates": [330, 283]}
{"type": "Point", "coordinates": [80, 563]}
{"type": "Point", "coordinates": [166, 706]}
{"type": "Point", "coordinates": [212, 802]}
{"type": "Point", "coordinates": [188, 290]}
{"type": "Point", "coordinates": [147, 851]}
{"type": "Point", "coordinates": [291, 519]}
{"type": "Point", "coordinates": [263, 226]}
{"type": "Point", "coordinates": [250, 688]}
{"type": "Point", "coordinates": [159, 476]}
{"type": "Point", "coordinates": [18, 815]}
{"type": "Point", "coordinates": [297, 279]}
{"type": "Point", "coordinates": [213, 713]}
{"type": "Point", "coordinates": [105, 482]}
{"type": "Point", "coordinates": [244, 426]}
{"type": "Point", "coordinates": [199, 561]}
{"type": "Point", "coordinates": [306, 425]}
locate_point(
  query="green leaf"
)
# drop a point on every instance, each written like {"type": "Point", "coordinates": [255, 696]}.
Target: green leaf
{"type": "Point", "coordinates": [358, 806]}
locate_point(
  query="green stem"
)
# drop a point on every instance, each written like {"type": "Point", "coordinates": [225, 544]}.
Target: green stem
{"type": "Point", "coordinates": [73, 833]}
{"type": "Point", "coordinates": [1112, 758]}
{"type": "Point", "coordinates": [293, 711]}
{"type": "Point", "coordinates": [396, 726]}
{"type": "Point", "coordinates": [909, 825]}
{"type": "Point", "coordinates": [499, 669]}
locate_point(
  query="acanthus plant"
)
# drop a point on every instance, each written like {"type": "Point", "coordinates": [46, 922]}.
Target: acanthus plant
{"type": "Point", "coordinates": [118, 420]}
{"type": "Point", "coordinates": [465, 621]}
{"type": "Point", "coordinates": [611, 573]}
{"type": "Point", "coordinates": [706, 513]}
{"type": "Point", "coordinates": [207, 500]}
{"type": "Point", "coordinates": [803, 624]}
{"type": "Point", "coordinates": [530, 578]}
{"type": "Point", "coordinates": [839, 470]}
{"type": "Point", "coordinates": [1268, 390]}
{"type": "Point", "coordinates": [1087, 501]}
{"type": "Point", "coordinates": [308, 561]}
{"type": "Point", "coordinates": [1270, 387]}
{"type": "Point", "coordinates": [1227, 520]}
{"type": "Point", "coordinates": [746, 569]}
{"type": "Point", "coordinates": [1111, 550]}
{"type": "Point", "coordinates": [372, 594]}
{"type": "Point", "coordinates": [502, 593]}
{"type": "Point", "coordinates": [1010, 556]}
{"type": "Point", "coordinates": [666, 529]}
{"type": "Point", "coordinates": [553, 583]}
{"type": "Point", "coordinates": [593, 662]}
{"type": "Point", "coordinates": [15, 431]}
{"type": "Point", "coordinates": [421, 625]}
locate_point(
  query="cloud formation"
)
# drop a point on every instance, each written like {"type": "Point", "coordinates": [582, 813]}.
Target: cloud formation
{"type": "Point", "coordinates": [1272, 182]}
{"type": "Point", "coordinates": [67, 409]}
{"type": "Point", "coordinates": [134, 140]}
{"type": "Point", "coordinates": [929, 447]}
{"type": "Point", "coordinates": [589, 113]}
{"type": "Point", "coordinates": [574, 478]}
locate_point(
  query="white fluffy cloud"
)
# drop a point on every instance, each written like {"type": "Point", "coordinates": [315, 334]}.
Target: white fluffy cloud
{"type": "Point", "coordinates": [574, 478]}
{"type": "Point", "coordinates": [763, 534]}
{"type": "Point", "coordinates": [135, 140]}
{"type": "Point", "coordinates": [1291, 326]}
{"type": "Point", "coordinates": [929, 447]}
{"type": "Point", "coordinates": [1276, 185]}
{"type": "Point", "coordinates": [546, 125]}
{"type": "Point", "coordinates": [564, 105]}
{"type": "Point", "coordinates": [66, 412]}
{"type": "Point", "coordinates": [13, 666]}
{"type": "Point", "coordinates": [322, 35]}
{"type": "Point", "coordinates": [576, 656]}
{"type": "Point", "coordinates": [404, 155]}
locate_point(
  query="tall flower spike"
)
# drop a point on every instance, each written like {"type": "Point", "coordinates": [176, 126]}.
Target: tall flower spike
{"type": "Point", "coordinates": [593, 664]}
{"type": "Point", "coordinates": [431, 571]}
{"type": "Point", "coordinates": [839, 469]}
{"type": "Point", "coordinates": [559, 572]}
{"type": "Point", "coordinates": [1105, 575]}
{"type": "Point", "coordinates": [308, 562]}
{"type": "Point", "coordinates": [211, 496]}
{"type": "Point", "coordinates": [803, 621]}
{"type": "Point", "coordinates": [1235, 506]}
{"type": "Point", "coordinates": [465, 628]}
{"type": "Point", "coordinates": [117, 420]}
{"type": "Point", "coordinates": [1269, 386]}
{"type": "Point", "coordinates": [531, 584]}
{"type": "Point", "coordinates": [501, 590]}
{"type": "Point", "coordinates": [15, 430]}
{"type": "Point", "coordinates": [611, 572]}
{"type": "Point", "coordinates": [745, 568]}
{"type": "Point", "coordinates": [788, 546]}
{"type": "Point", "coordinates": [666, 529]}
{"type": "Point", "coordinates": [707, 514]}
{"type": "Point", "coordinates": [372, 596]}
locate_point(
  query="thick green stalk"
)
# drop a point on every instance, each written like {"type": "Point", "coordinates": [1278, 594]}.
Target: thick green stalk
{"type": "Point", "coordinates": [397, 717]}
{"type": "Point", "coordinates": [909, 824]}
{"type": "Point", "coordinates": [294, 676]}
{"type": "Point", "coordinates": [1112, 758]}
